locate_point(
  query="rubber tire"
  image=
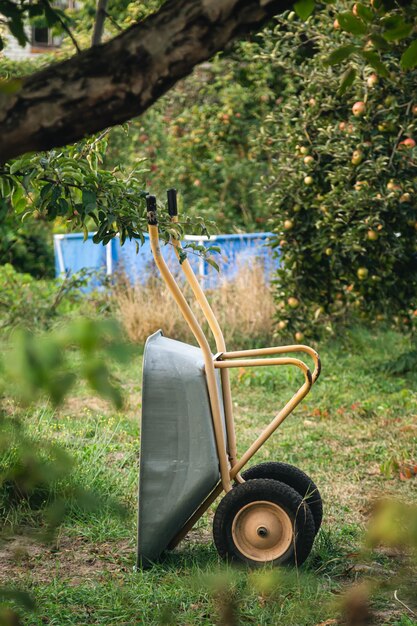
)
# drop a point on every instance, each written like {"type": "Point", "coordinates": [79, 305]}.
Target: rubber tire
{"type": "Point", "coordinates": [293, 477]}
{"type": "Point", "coordinates": [270, 491]}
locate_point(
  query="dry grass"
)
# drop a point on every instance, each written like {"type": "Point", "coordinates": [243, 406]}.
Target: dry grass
{"type": "Point", "coordinates": [244, 308]}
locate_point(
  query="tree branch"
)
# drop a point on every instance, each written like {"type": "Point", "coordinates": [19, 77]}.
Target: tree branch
{"type": "Point", "coordinates": [111, 83]}
{"type": "Point", "coordinates": [113, 21]}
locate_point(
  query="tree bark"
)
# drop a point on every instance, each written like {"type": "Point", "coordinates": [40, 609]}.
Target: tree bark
{"type": "Point", "coordinates": [113, 82]}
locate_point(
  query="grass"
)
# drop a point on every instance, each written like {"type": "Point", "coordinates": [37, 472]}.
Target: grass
{"type": "Point", "coordinates": [352, 434]}
{"type": "Point", "coordinates": [144, 308]}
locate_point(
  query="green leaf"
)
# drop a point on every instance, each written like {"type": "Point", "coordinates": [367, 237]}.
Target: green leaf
{"type": "Point", "coordinates": [213, 263]}
{"type": "Point", "coordinates": [409, 57]}
{"type": "Point", "coordinates": [63, 206]}
{"type": "Point", "coordinates": [374, 61]}
{"type": "Point", "coordinates": [351, 24]}
{"type": "Point", "coordinates": [45, 191]}
{"type": "Point", "coordinates": [34, 10]}
{"type": "Point", "coordinates": [17, 195]}
{"type": "Point", "coordinates": [396, 28]}
{"type": "Point", "coordinates": [89, 200]}
{"type": "Point", "coordinates": [340, 54]}
{"type": "Point", "coordinates": [51, 15]}
{"type": "Point", "coordinates": [182, 255]}
{"type": "Point", "coordinates": [15, 167]}
{"type": "Point", "coordinates": [4, 188]}
{"type": "Point", "coordinates": [20, 205]}
{"type": "Point", "coordinates": [379, 42]}
{"type": "Point", "coordinates": [20, 597]}
{"type": "Point", "coordinates": [364, 12]}
{"type": "Point", "coordinates": [21, 164]}
{"type": "Point", "coordinates": [56, 192]}
{"type": "Point", "coordinates": [304, 8]}
{"type": "Point", "coordinates": [17, 29]}
{"type": "Point", "coordinates": [347, 80]}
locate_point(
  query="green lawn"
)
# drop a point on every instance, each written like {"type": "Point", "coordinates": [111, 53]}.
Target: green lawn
{"type": "Point", "coordinates": [350, 434]}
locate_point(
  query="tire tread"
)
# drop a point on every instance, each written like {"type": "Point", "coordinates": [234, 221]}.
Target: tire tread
{"type": "Point", "coordinates": [293, 477]}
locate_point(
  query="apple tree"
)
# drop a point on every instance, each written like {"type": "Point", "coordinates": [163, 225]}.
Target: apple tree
{"type": "Point", "coordinates": [342, 181]}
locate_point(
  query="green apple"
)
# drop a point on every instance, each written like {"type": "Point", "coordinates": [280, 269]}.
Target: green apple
{"type": "Point", "coordinates": [357, 157]}
{"type": "Point", "coordinates": [293, 302]}
{"type": "Point", "coordinates": [362, 273]}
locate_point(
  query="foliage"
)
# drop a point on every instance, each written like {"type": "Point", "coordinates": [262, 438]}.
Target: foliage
{"type": "Point", "coordinates": [26, 245]}
{"type": "Point", "coordinates": [377, 32]}
{"type": "Point", "coordinates": [34, 471]}
{"type": "Point", "coordinates": [75, 24]}
{"type": "Point", "coordinates": [71, 185]}
{"type": "Point", "coordinates": [342, 186]}
{"type": "Point", "coordinates": [35, 366]}
{"type": "Point", "coordinates": [202, 138]}
{"type": "Point", "coordinates": [120, 14]}
{"type": "Point", "coordinates": [41, 364]}
{"type": "Point", "coordinates": [34, 304]}
{"type": "Point", "coordinates": [17, 14]}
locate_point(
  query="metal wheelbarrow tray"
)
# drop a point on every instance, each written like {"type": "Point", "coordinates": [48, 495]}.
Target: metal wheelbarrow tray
{"type": "Point", "coordinates": [178, 459]}
{"type": "Point", "coordinates": [271, 512]}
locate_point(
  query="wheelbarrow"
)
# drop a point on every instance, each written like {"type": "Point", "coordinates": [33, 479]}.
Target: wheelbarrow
{"type": "Point", "coordinates": [269, 513]}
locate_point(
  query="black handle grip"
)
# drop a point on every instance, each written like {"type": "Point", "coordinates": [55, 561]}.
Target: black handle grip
{"type": "Point", "coordinates": [151, 209]}
{"type": "Point", "coordinates": [172, 202]}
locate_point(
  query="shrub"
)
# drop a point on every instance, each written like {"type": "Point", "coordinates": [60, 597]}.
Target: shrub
{"type": "Point", "coordinates": [33, 304]}
{"type": "Point", "coordinates": [26, 245]}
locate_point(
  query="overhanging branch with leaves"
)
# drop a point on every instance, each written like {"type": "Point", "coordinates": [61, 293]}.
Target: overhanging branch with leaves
{"type": "Point", "coordinates": [109, 84]}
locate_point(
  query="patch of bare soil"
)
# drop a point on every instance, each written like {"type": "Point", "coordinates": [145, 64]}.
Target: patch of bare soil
{"type": "Point", "coordinates": [78, 405]}
{"type": "Point", "coordinates": [133, 403]}
{"type": "Point", "coordinates": [73, 559]}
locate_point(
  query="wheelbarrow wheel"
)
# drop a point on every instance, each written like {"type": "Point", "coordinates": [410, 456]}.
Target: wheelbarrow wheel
{"type": "Point", "coordinates": [263, 521]}
{"type": "Point", "coordinates": [293, 477]}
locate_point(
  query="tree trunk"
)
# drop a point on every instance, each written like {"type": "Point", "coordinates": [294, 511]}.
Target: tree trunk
{"type": "Point", "coordinates": [99, 22]}
{"type": "Point", "coordinates": [111, 83]}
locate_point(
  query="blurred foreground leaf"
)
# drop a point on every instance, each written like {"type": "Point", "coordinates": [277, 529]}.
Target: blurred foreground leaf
{"type": "Point", "coordinates": [40, 364]}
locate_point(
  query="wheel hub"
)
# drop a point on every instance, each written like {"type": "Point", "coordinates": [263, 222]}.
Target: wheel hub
{"type": "Point", "coordinates": [262, 531]}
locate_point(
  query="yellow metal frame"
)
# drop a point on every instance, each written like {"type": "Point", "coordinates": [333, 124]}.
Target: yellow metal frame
{"type": "Point", "coordinates": [229, 464]}
{"type": "Point", "coordinates": [205, 348]}
{"type": "Point", "coordinates": [220, 347]}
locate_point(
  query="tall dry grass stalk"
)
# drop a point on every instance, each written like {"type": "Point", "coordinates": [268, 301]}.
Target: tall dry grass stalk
{"type": "Point", "coordinates": [244, 307]}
